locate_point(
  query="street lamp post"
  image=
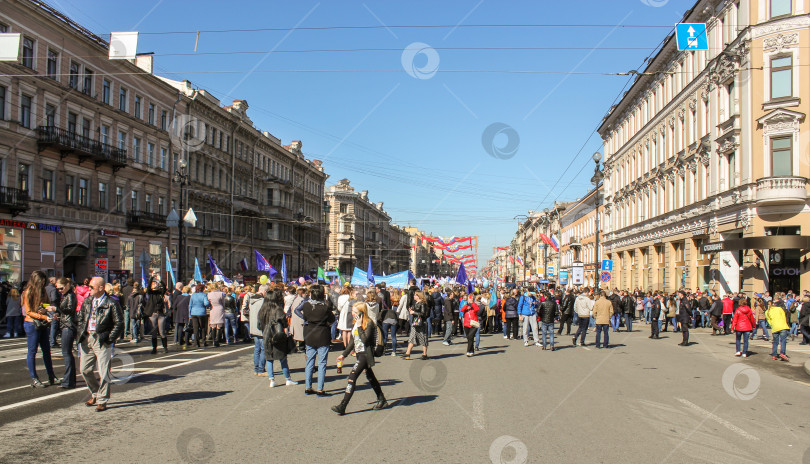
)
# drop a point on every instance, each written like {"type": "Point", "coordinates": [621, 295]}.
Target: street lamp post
{"type": "Point", "coordinates": [181, 178]}
{"type": "Point", "coordinates": [596, 180]}
{"type": "Point", "coordinates": [299, 216]}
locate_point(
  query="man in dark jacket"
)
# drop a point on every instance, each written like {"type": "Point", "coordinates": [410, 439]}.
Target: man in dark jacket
{"type": "Point", "coordinates": [629, 310]}
{"type": "Point", "coordinates": [655, 314]}
{"type": "Point", "coordinates": [716, 313]}
{"type": "Point", "coordinates": [436, 311]}
{"type": "Point", "coordinates": [616, 299]}
{"type": "Point", "coordinates": [510, 310]}
{"type": "Point", "coordinates": [548, 312]}
{"type": "Point", "coordinates": [703, 306]}
{"type": "Point", "coordinates": [567, 310]}
{"type": "Point", "coordinates": [449, 309]}
{"type": "Point", "coordinates": [101, 322]}
{"type": "Point", "coordinates": [685, 318]}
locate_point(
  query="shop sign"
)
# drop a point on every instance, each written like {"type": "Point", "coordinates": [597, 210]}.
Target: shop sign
{"type": "Point", "coordinates": [785, 271]}
{"type": "Point", "coordinates": [109, 233]}
{"type": "Point", "coordinates": [29, 225]}
{"type": "Point", "coordinates": [713, 247]}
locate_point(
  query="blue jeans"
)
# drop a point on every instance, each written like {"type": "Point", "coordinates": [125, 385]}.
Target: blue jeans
{"type": "Point", "coordinates": [54, 327]}
{"type": "Point", "coordinates": [592, 322]}
{"type": "Point", "coordinates": [704, 318]}
{"type": "Point", "coordinates": [259, 359]}
{"type": "Point", "coordinates": [334, 330]}
{"type": "Point", "coordinates": [602, 328]}
{"type": "Point", "coordinates": [477, 337]}
{"type": "Point", "coordinates": [761, 323]}
{"type": "Point", "coordinates": [126, 322]}
{"type": "Point", "coordinates": [247, 331]}
{"type": "Point", "coordinates": [794, 328]}
{"type": "Point", "coordinates": [38, 338]}
{"type": "Point", "coordinates": [744, 337]}
{"type": "Point", "coordinates": [322, 352]}
{"type": "Point", "coordinates": [779, 341]}
{"type": "Point", "coordinates": [14, 326]}
{"type": "Point", "coordinates": [614, 322]}
{"type": "Point", "coordinates": [429, 326]}
{"type": "Point", "coordinates": [448, 331]}
{"type": "Point", "coordinates": [230, 323]}
{"type": "Point", "coordinates": [284, 369]}
{"type": "Point", "coordinates": [647, 314]}
{"type": "Point", "coordinates": [135, 329]}
{"type": "Point", "coordinates": [628, 322]}
{"type": "Point", "coordinates": [547, 329]}
{"type": "Point", "coordinates": [68, 335]}
{"type": "Point", "coordinates": [392, 329]}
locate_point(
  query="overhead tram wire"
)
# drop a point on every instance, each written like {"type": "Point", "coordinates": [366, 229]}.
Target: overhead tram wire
{"type": "Point", "coordinates": [585, 144]}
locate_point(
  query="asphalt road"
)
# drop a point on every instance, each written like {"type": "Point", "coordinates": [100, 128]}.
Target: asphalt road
{"type": "Point", "coordinates": [640, 401]}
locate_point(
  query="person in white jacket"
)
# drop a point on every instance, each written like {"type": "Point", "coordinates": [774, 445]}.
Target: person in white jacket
{"type": "Point", "coordinates": [583, 306]}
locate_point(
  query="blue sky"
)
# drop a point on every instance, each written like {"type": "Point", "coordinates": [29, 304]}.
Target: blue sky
{"type": "Point", "coordinates": [414, 143]}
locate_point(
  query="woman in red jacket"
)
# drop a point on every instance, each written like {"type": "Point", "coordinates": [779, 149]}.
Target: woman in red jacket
{"type": "Point", "coordinates": [742, 324]}
{"type": "Point", "coordinates": [471, 323]}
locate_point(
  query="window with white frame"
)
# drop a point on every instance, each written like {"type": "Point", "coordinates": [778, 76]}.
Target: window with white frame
{"type": "Point", "coordinates": [781, 77]}
{"type": "Point", "coordinates": [782, 156]}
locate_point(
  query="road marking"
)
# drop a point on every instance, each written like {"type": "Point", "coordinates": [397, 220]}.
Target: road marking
{"type": "Point", "coordinates": [719, 420]}
{"type": "Point", "coordinates": [152, 371]}
{"type": "Point", "coordinates": [585, 347]}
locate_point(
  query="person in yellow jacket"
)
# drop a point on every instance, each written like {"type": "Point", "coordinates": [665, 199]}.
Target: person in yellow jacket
{"type": "Point", "coordinates": [777, 319]}
{"type": "Point", "coordinates": [602, 312]}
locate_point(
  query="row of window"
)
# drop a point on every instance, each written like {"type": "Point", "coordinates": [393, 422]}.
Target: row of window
{"type": "Point", "coordinates": [77, 191]}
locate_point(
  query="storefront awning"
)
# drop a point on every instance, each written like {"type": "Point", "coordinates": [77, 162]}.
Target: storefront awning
{"type": "Point", "coordinates": [769, 242]}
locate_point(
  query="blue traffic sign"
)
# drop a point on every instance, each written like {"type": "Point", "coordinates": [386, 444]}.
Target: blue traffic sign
{"type": "Point", "coordinates": [607, 265]}
{"type": "Point", "coordinates": [691, 36]}
{"type": "Point", "coordinates": [605, 276]}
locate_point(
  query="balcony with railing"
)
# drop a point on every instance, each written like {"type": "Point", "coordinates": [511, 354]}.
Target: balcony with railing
{"type": "Point", "coordinates": [245, 205]}
{"type": "Point", "coordinates": [781, 190]}
{"type": "Point", "coordinates": [13, 200]}
{"type": "Point", "coordinates": [146, 221]}
{"type": "Point", "coordinates": [84, 147]}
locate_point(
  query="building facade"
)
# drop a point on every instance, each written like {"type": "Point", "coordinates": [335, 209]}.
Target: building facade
{"type": "Point", "coordinates": [578, 234]}
{"type": "Point", "coordinates": [707, 157]}
{"type": "Point", "coordinates": [88, 149]}
{"type": "Point", "coordinates": [360, 229]}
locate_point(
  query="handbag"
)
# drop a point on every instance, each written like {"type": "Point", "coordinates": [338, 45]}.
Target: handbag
{"type": "Point", "coordinates": [474, 324]}
{"type": "Point", "coordinates": [379, 347]}
{"type": "Point", "coordinates": [417, 321]}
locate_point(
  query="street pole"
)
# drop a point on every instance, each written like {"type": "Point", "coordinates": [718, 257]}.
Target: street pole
{"type": "Point", "coordinates": [596, 180]}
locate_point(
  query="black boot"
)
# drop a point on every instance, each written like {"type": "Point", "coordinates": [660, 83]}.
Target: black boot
{"type": "Point", "coordinates": [216, 337]}
{"type": "Point", "coordinates": [154, 346]}
{"type": "Point", "coordinates": [165, 343]}
{"type": "Point", "coordinates": [340, 408]}
{"type": "Point", "coordinates": [381, 403]}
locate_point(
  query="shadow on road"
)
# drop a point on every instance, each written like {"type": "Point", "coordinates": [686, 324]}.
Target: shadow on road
{"type": "Point", "coordinates": [172, 397]}
{"type": "Point", "coordinates": [400, 402]}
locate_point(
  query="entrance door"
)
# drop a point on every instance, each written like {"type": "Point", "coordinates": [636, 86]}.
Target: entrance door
{"type": "Point", "coordinates": [784, 270]}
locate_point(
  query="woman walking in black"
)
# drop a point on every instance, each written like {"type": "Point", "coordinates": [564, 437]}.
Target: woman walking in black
{"type": "Point", "coordinates": [67, 320]}
{"type": "Point", "coordinates": [364, 339]}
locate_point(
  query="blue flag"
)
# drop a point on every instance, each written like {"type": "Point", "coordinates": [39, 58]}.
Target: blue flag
{"type": "Point", "coordinates": [461, 277]}
{"type": "Point", "coordinates": [216, 271]}
{"type": "Point", "coordinates": [283, 267]}
{"type": "Point", "coordinates": [493, 297]}
{"type": "Point", "coordinates": [197, 274]}
{"type": "Point", "coordinates": [261, 263]}
{"type": "Point", "coordinates": [169, 266]}
{"type": "Point", "coordinates": [370, 274]}
{"type": "Point", "coordinates": [144, 281]}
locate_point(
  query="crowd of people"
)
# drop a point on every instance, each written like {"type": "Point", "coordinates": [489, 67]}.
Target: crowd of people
{"type": "Point", "coordinates": [365, 323]}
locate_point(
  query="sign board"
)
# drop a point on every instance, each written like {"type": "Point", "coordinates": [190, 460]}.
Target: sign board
{"type": "Point", "coordinates": [712, 247]}
{"type": "Point", "coordinates": [119, 275]}
{"type": "Point", "coordinates": [578, 274]}
{"type": "Point", "coordinates": [101, 269]}
{"type": "Point", "coordinates": [101, 264]}
{"type": "Point", "coordinates": [551, 270]}
{"type": "Point", "coordinates": [607, 265]}
{"type": "Point", "coordinates": [692, 36]}
{"type": "Point", "coordinates": [604, 276]}
{"type": "Point", "coordinates": [563, 277]}
{"type": "Point", "coordinates": [109, 233]}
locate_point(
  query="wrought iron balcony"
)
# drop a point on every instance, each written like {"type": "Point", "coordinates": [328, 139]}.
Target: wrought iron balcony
{"type": "Point", "coordinates": [781, 190]}
{"type": "Point", "coordinates": [13, 200]}
{"type": "Point", "coordinates": [84, 147]}
{"type": "Point", "coordinates": [146, 221]}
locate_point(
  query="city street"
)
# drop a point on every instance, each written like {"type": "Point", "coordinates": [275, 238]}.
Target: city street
{"type": "Point", "coordinates": [640, 401]}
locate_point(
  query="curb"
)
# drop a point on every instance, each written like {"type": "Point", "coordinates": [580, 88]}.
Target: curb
{"type": "Point", "coordinates": [807, 367]}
